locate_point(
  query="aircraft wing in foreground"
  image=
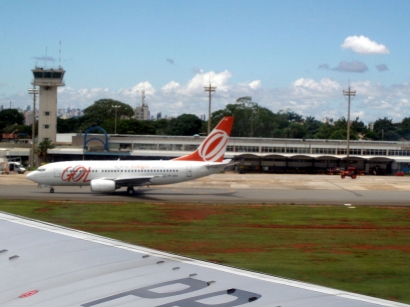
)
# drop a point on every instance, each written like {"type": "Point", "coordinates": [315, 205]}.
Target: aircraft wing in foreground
{"type": "Point", "coordinates": [48, 265]}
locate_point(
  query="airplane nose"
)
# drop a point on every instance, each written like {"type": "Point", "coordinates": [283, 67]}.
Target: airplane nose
{"type": "Point", "coordinates": [31, 175]}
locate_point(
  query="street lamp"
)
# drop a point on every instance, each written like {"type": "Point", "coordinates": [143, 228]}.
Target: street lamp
{"type": "Point", "coordinates": [253, 111]}
{"type": "Point", "coordinates": [33, 91]}
{"type": "Point", "coordinates": [115, 125]}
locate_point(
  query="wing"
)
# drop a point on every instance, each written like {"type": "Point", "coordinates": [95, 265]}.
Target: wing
{"type": "Point", "coordinates": [49, 265]}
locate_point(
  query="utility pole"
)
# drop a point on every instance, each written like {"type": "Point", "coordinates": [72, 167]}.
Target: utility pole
{"type": "Point", "coordinates": [33, 91]}
{"type": "Point", "coordinates": [348, 93]}
{"type": "Point", "coordinates": [115, 123]}
{"type": "Point", "coordinates": [209, 89]}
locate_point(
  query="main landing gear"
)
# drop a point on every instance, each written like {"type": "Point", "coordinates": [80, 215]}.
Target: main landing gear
{"type": "Point", "coordinates": [130, 191]}
{"type": "Point", "coordinates": [51, 190]}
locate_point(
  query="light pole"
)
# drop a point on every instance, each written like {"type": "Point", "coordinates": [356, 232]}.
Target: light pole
{"type": "Point", "coordinates": [33, 91]}
{"type": "Point", "coordinates": [115, 126]}
{"type": "Point", "coordinates": [253, 111]}
{"type": "Point", "coordinates": [349, 93]}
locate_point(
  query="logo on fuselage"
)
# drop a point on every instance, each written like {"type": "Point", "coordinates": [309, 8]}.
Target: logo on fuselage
{"type": "Point", "coordinates": [77, 173]}
{"type": "Point", "coordinates": [213, 148]}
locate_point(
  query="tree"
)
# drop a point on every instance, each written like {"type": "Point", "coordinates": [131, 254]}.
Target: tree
{"type": "Point", "coordinates": [43, 147]}
{"type": "Point", "coordinates": [68, 125]}
{"type": "Point", "coordinates": [250, 118]}
{"type": "Point", "coordinates": [295, 131]}
{"type": "Point", "coordinates": [185, 124]}
{"type": "Point", "coordinates": [294, 117]}
{"type": "Point", "coordinates": [10, 117]}
{"type": "Point", "coordinates": [161, 126]}
{"type": "Point", "coordinates": [312, 126]}
{"type": "Point", "coordinates": [133, 126]}
{"type": "Point", "coordinates": [404, 130]}
{"type": "Point", "coordinates": [386, 130]}
{"type": "Point", "coordinates": [102, 111]}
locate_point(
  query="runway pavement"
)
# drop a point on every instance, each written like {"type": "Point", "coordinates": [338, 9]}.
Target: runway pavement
{"type": "Point", "coordinates": [237, 188]}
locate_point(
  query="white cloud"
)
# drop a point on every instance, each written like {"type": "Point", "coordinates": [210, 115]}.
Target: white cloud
{"type": "Point", "coordinates": [363, 45]}
{"type": "Point", "coordinates": [220, 80]}
{"type": "Point", "coordinates": [136, 90]}
{"type": "Point", "coordinates": [313, 88]}
{"type": "Point", "coordinates": [305, 96]}
{"type": "Point", "coordinates": [255, 84]}
{"type": "Point", "coordinates": [171, 86]}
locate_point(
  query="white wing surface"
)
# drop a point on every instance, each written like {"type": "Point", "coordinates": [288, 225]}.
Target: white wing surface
{"type": "Point", "coordinates": [48, 265]}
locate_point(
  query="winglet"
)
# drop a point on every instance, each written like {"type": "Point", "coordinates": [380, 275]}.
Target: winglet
{"type": "Point", "coordinates": [213, 147]}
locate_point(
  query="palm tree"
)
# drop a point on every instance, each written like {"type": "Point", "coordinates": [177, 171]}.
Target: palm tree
{"type": "Point", "coordinates": [43, 147]}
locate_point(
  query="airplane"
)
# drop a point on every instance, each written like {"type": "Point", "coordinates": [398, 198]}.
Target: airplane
{"type": "Point", "coordinates": [108, 176]}
{"type": "Point", "coordinates": [47, 265]}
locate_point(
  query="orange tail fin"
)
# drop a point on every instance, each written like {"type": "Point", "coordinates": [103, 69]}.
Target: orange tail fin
{"type": "Point", "coordinates": [213, 147]}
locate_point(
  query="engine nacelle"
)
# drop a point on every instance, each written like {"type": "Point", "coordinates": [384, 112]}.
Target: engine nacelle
{"type": "Point", "coordinates": [102, 185]}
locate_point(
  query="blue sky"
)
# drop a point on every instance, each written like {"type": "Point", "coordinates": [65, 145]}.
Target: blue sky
{"type": "Point", "coordinates": [296, 55]}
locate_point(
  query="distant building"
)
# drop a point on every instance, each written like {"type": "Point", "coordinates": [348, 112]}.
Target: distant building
{"type": "Point", "coordinates": [28, 118]}
{"type": "Point", "coordinates": [142, 112]}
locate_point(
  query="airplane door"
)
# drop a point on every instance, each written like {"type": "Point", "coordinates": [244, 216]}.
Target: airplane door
{"type": "Point", "coordinates": [189, 170]}
{"type": "Point", "coordinates": [57, 172]}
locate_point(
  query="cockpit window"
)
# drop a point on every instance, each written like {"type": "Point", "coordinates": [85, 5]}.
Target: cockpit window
{"type": "Point", "coordinates": [41, 169]}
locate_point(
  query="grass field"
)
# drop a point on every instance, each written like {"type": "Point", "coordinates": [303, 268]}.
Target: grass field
{"type": "Point", "coordinates": [363, 249]}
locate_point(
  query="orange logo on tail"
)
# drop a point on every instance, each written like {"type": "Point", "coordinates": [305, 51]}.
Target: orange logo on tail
{"type": "Point", "coordinates": [213, 147]}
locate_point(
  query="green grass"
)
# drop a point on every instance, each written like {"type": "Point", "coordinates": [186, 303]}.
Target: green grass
{"type": "Point", "coordinates": [364, 250]}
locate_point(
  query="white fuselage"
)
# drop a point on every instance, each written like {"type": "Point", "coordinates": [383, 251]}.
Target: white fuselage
{"type": "Point", "coordinates": [81, 173]}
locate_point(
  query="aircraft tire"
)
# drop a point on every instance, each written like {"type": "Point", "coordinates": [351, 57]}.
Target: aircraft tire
{"type": "Point", "coordinates": [130, 191]}
{"type": "Point", "coordinates": [52, 190]}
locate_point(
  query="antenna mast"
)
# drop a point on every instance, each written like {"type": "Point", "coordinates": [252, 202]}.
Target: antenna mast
{"type": "Point", "coordinates": [59, 57]}
{"type": "Point", "coordinates": [143, 98]}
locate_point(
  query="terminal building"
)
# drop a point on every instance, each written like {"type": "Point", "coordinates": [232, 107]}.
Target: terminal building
{"type": "Point", "coordinates": [250, 154]}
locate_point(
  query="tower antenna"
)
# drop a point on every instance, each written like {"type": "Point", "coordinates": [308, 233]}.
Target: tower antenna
{"type": "Point", "coordinates": [143, 97]}
{"type": "Point", "coordinates": [45, 59]}
{"type": "Point", "coordinates": [59, 57]}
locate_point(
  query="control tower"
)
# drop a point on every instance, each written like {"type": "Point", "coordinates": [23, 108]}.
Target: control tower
{"type": "Point", "coordinates": [48, 80]}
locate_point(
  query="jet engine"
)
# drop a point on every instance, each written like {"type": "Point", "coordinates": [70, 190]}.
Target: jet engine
{"type": "Point", "coordinates": [102, 185]}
